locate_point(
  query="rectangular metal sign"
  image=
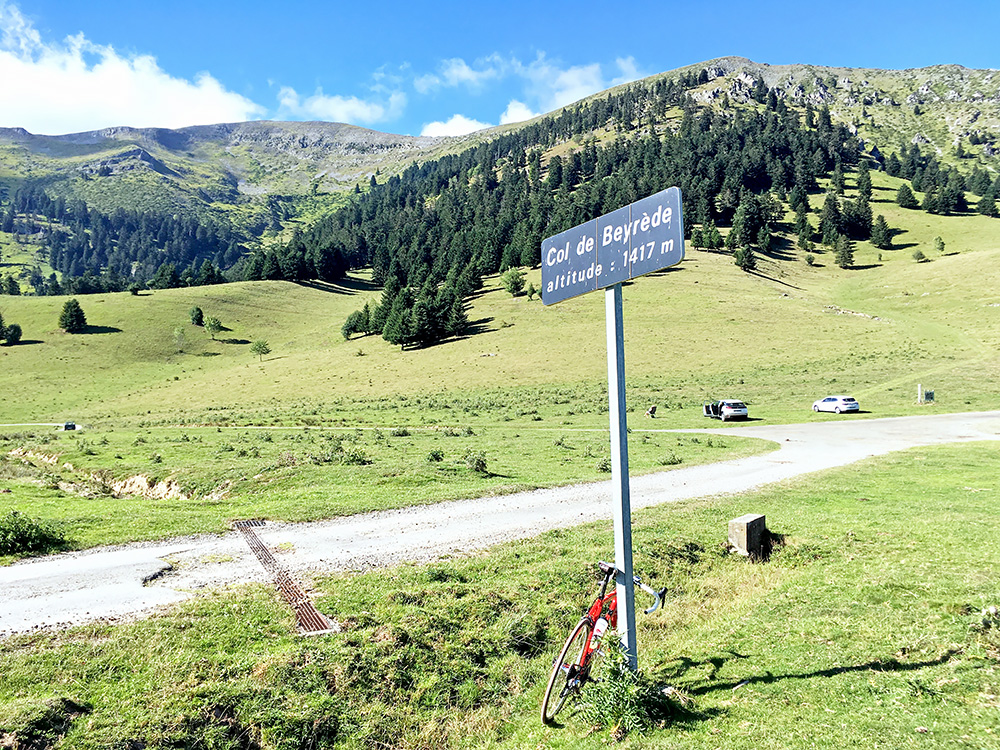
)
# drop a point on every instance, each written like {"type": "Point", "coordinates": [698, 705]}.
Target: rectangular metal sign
{"type": "Point", "coordinates": [640, 238]}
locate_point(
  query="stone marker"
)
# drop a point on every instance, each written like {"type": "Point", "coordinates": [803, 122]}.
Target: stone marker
{"type": "Point", "coordinates": [746, 534]}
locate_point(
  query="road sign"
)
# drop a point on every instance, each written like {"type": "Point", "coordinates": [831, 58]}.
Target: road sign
{"type": "Point", "coordinates": [600, 254]}
{"type": "Point", "coordinates": [637, 239]}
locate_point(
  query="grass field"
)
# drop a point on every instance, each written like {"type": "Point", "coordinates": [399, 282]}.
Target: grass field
{"type": "Point", "coordinates": [864, 629]}
{"type": "Point", "coordinates": [160, 398]}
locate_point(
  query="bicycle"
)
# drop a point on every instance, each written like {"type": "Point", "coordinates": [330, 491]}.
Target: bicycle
{"type": "Point", "coordinates": [571, 669]}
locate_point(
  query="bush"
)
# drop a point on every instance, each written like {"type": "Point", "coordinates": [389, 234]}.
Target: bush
{"type": "Point", "coordinates": [918, 255]}
{"type": "Point", "coordinates": [476, 461]}
{"type": "Point", "coordinates": [197, 316]}
{"type": "Point", "coordinates": [435, 456]}
{"type": "Point", "coordinates": [353, 455]}
{"type": "Point", "coordinates": [603, 464]}
{"type": "Point", "coordinates": [626, 701]}
{"type": "Point", "coordinates": [22, 535]}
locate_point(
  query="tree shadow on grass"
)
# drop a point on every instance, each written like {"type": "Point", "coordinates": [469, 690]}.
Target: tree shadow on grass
{"type": "Point", "coordinates": [101, 329]}
{"type": "Point", "coordinates": [776, 280]}
{"type": "Point", "coordinates": [25, 342]}
{"type": "Point", "coordinates": [233, 341]}
{"type": "Point", "coordinates": [343, 286]}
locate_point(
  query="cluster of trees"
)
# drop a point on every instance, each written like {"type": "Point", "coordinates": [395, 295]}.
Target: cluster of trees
{"type": "Point", "coordinates": [296, 261]}
{"type": "Point", "coordinates": [406, 318]}
{"type": "Point", "coordinates": [488, 208]}
{"type": "Point", "coordinates": [97, 252]}
{"type": "Point", "coordinates": [943, 187]}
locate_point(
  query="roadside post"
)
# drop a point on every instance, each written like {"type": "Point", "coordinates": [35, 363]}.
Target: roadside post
{"type": "Point", "coordinates": [602, 253]}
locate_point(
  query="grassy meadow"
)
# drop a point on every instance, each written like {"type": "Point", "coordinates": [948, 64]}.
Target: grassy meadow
{"type": "Point", "coordinates": [865, 628]}
{"type": "Point", "coordinates": [365, 425]}
{"type": "Point", "coordinates": [868, 627]}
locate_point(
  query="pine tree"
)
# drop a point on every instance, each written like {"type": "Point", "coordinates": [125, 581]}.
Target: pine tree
{"type": "Point", "coordinates": [987, 205]}
{"type": "Point", "coordinates": [745, 259]}
{"type": "Point", "coordinates": [260, 348]}
{"type": "Point", "coordinates": [845, 252]}
{"type": "Point", "coordinates": [881, 234]}
{"type": "Point", "coordinates": [905, 197]}
{"type": "Point", "coordinates": [12, 334]}
{"type": "Point", "coordinates": [72, 319]}
{"type": "Point", "coordinates": [864, 181]}
{"type": "Point", "coordinates": [830, 220]}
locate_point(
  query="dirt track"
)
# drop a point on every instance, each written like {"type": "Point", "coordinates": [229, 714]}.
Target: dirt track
{"type": "Point", "coordinates": [130, 581]}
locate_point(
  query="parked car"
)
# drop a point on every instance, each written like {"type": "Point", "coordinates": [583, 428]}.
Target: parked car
{"type": "Point", "coordinates": [727, 408]}
{"type": "Point", "coordinates": [836, 404]}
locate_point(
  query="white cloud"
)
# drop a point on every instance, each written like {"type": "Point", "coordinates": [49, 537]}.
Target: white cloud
{"type": "Point", "coordinates": [337, 108]}
{"type": "Point", "coordinates": [456, 72]}
{"type": "Point", "coordinates": [546, 85]}
{"type": "Point", "coordinates": [77, 85]}
{"type": "Point", "coordinates": [553, 86]}
{"type": "Point", "coordinates": [516, 112]}
{"type": "Point", "coordinates": [457, 125]}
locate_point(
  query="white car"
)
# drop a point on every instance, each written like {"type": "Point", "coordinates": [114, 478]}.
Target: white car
{"type": "Point", "coordinates": [836, 404]}
{"type": "Point", "coordinates": [727, 408]}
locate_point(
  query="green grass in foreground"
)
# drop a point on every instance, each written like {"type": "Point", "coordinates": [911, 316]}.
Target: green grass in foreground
{"type": "Point", "coordinates": [863, 630]}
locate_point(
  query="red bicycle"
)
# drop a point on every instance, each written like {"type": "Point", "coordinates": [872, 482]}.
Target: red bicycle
{"type": "Point", "coordinates": [571, 669]}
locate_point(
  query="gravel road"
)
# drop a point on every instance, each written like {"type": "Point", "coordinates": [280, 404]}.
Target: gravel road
{"type": "Point", "coordinates": [135, 580]}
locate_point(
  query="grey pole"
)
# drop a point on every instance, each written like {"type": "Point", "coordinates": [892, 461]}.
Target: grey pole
{"type": "Point", "coordinates": [619, 473]}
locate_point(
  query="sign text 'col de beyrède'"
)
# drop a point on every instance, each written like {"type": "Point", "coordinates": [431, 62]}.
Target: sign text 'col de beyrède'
{"type": "Point", "coordinates": [631, 241]}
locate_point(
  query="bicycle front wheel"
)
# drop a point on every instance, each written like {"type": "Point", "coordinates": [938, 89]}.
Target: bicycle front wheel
{"type": "Point", "coordinates": [569, 672]}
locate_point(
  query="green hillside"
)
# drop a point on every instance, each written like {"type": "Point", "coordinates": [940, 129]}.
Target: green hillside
{"type": "Point", "coordinates": [871, 621]}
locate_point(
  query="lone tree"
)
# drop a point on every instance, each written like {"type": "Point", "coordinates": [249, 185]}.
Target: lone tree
{"type": "Point", "coordinates": [13, 334]}
{"type": "Point", "coordinates": [197, 317]}
{"type": "Point", "coordinates": [213, 326]}
{"type": "Point", "coordinates": [72, 319]}
{"type": "Point", "coordinates": [260, 348]}
{"type": "Point", "coordinates": [845, 252]}
{"type": "Point", "coordinates": [881, 234]}
{"type": "Point", "coordinates": [513, 281]}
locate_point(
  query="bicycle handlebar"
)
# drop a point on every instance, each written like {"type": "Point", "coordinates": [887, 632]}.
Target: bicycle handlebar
{"type": "Point", "coordinates": [608, 569]}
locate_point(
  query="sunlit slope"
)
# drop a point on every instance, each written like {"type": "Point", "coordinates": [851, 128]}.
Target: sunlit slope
{"type": "Point", "coordinates": [779, 338]}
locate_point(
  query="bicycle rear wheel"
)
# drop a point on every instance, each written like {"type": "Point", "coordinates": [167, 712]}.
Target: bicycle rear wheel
{"type": "Point", "coordinates": [569, 673]}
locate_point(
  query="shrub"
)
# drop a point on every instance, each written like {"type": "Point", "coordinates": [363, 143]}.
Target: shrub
{"type": "Point", "coordinates": [918, 255]}
{"type": "Point", "coordinates": [626, 701]}
{"type": "Point", "coordinates": [435, 456]}
{"type": "Point", "coordinates": [603, 464]}
{"type": "Point", "coordinates": [353, 455]}
{"type": "Point", "coordinates": [810, 259]}
{"type": "Point", "coordinates": [475, 461]}
{"type": "Point", "coordinates": [197, 316]}
{"type": "Point", "coordinates": [671, 459]}
{"type": "Point", "coordinates": [20, 534]}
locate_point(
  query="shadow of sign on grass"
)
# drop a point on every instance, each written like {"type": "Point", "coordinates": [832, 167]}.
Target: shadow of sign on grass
{"type": "Point", "coordinates": [709, 684]}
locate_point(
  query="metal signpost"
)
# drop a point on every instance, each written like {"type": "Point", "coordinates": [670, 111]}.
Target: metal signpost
{"type": "Point", "coordinates": [637, 239]}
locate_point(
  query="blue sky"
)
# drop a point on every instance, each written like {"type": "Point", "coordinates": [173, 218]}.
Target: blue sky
{"type": "Point", "coordinates": [425, 68]}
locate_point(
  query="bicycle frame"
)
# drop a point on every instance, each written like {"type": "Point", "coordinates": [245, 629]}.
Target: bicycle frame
{"type": "Point", "coordinates": [574, 673]}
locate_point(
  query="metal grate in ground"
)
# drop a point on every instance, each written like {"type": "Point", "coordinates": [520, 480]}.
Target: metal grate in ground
{"type": "Point", "coordinates": [311, 621]}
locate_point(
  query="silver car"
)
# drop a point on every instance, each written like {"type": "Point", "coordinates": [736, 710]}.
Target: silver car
{"type": "Point", "coordinates": [836, 404]}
